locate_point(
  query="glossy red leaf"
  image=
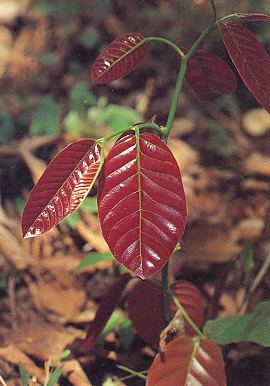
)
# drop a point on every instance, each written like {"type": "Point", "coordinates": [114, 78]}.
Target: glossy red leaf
{"type": "Point", "coordinates": [141, 203]}
{"type": "Point", "coordinates": [250, 59]}
{"type": "Point", "coordinates": [208, 75]}
{"type": "Point", "coordinates": [255, 16]}
{"type": "Point", "coordinates": [188, 361]}
{"type": "Point", "coordinates": [61, 188]}
{"type": "Point", "coordinates": [106, 307]}
{"type": "Point", "coordinates": [145, 295]}
{"type": "Point", "coordinates": [191, 299]}
{"type": "Point", "coordinates": [119, 58]}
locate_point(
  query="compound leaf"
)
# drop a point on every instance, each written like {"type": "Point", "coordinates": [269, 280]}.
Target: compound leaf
{"type": "Point", "coordinates": [250, 59]}
{"type": "Point", "coordinates": [188, 361]}
{"type": "Point", "coordinates": [106, 307]}
{"type": "Point", "coordinates": [253, 327]}
{"type": "Point", "coordinates": [141, 203]}
{"type": "Point", "coordinates": [62, 187]}
{"type": "Point", "coordinates": [119, 58]}
{"type": "Point", "coordinates": [209, 75]}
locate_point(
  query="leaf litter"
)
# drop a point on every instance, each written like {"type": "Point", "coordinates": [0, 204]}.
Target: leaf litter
{"type": "Point", "coordinates": [228, 205]}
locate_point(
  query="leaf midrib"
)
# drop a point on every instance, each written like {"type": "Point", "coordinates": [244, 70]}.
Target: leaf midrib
{"type": "Point", "coordinates": [137, 136]}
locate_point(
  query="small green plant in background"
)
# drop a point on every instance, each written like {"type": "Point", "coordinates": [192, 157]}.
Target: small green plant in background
{"type": "Point", "coordinates": [53, 371]}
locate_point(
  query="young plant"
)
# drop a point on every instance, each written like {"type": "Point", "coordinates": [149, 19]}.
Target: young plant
{"type": "Point", "coordinates": [141, 200]}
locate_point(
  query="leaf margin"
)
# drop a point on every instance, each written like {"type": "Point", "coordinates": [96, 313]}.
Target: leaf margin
{"type": "Point", "coordinates": [94, 144]}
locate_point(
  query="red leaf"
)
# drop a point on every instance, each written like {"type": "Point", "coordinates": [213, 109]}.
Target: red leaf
{"type": "Point", "coordinates": [106, 307]}
{"type": "Point", "coordinates": [190, 298]}
{"type": "Point", "coordinates": [61, 188]}
{"type": "Point", "coordinates": [145, 311]}
{"type": "Point", "coordinates": [209, 75]}
{"type": "Point", "coordinates": [119, 58]}
{"type": "Point", "coordinates": [255, 16]}
{"type": "Point", "coordinates": [250, 59]}
{"type": "Point", "coordinates": [145, 295]}
{"type": "Point", "coordinates": [142, 207]}
{"type": "Point", "coordinates": [188, 361]}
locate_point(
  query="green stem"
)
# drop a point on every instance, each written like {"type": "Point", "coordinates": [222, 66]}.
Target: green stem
{"type": "Point", "coordinates": [146, 125]}
{"type": "Point", "coordinates": [178, 87]}
{"type": "Point", "coordinates": [181, 77]}
{"type": "Point", "coordinates": [186, 315]}
{"type": "Point", "coordinates": [165, 41]}
{"type": "Point", "coordinates": [133, 375]}
{"type": "Point", "coordinates": [207, 31]}
{"type": "Point", "coordinates": [165, 294]}
{"type": "Point", "coordinates": [227, 17]}
{"type": "Point", "coordinates": [200, 40]}
{"type": "Point", "coordinates": [133, 372]}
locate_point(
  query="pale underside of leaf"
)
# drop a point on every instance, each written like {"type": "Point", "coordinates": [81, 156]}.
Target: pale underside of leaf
{"type": "Point", "coordinates": [141, 203]}
{"type": "Point", "coordinates": [61, 189]}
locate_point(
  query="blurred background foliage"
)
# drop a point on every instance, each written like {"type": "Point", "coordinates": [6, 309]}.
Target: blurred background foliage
{"type": "Point", "coordinates": [47, 100]}
{"type": "Point", "coordinates": [47, 48]}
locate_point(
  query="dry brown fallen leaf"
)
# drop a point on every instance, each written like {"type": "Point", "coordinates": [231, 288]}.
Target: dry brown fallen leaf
{"type": "Point", "coordinates": [89, 229]}
{"type": "Point", "coordinates": [256, 121]}
{"type": "Point", "coordinates": [249, 228]}
{"type": "Point", "coordinates": [25, 148]}
{"type": "Point", "coordinates": [209, 243]}
{"type": "Point", "coordinates": [253, 184]}
{"type": "Point", "coordinates": [202, 197]}
{"type": "Point", "coordinates": [75, 374]}
{"type": "Point", "coordinates": [226, 301]}
{"type": "Point", "coordinates": [41, 339]}
{"type": "Point", "coordinates": [64, 302]}
{"type": "Point", "coordinates": [12, 250]}
{"type": "Point", "coordinates": [36, 165]}
{"type": "Point", "coordinates": [202, 203]}
{"type": "Point", "coordinates": [17, 382]}
{"type": "Point", "coordinates": [182, 126]}
{"type": "Point", "coordinates": [184, 154]}
{"type": "Point", "coordinates": [14, 355]}
{"type": "Point", "coordinates": [5, 47]}
{"type": "Point", "coordinates": [22, 60]}
{"type": "Point", "coordinates": [10, 9]}
{"type": "Point", "coordinates": [257, 163]}
{"type": "Point", "coordinates": [60, 262]}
